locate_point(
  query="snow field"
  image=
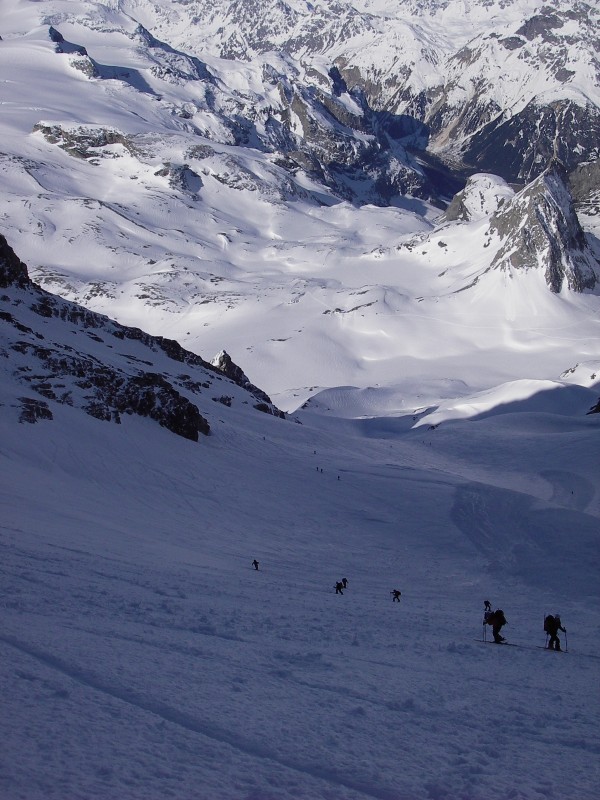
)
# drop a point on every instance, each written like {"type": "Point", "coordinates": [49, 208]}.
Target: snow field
{"type": "Point", "coordinates": [144, 657]}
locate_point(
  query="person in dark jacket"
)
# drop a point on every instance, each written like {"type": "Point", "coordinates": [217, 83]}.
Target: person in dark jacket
{"type": "Point", "coordinates": [396, 593]}
{"type": "Point", "coordinates": [255, 564]}
{"type": "Point", "coordinates": [339, 586]}
{"type": "Point", "coordinates": [552, 625]}
{"type": "Point", "coordinates": [498, 621]}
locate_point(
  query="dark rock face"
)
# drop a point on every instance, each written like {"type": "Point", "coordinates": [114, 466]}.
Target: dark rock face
{"type": "Point", "coordinates": [32, 410]}
{"type": "Point", "coordinates": [520, 148]}
{"type": "Point", "coordinates": [584, 183]}
{"type": "Point", "coordinates": [224, 364]}
{"type": "Point", "coordinates": [12, 271]}
{"type": "Point", "coordinates": [539, 228]}
{"type": "Point", "coordinates": [151, 395]}
{"type": "Point", "coordinates": [540, 25]}
{"type": "Point", "coordinates": [72, 376]}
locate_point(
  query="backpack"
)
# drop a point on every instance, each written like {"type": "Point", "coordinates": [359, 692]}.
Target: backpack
{"type": "Point", "coordinates": [495, 617]}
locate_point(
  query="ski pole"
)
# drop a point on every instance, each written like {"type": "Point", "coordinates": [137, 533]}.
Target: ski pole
{"type": "Point", "coordinates": [566, 641]}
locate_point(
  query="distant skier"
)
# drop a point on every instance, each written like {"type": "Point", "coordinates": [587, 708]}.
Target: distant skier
{"type": "Point", "coordinates": [497, 620]}
{"type": "Point", "coordinates": [396, 594]}
{"type": "Point", "coordinates": [552, 625]}
{"type": "Point", "coordinates": [345, 582]}
{"type": "Point", "coordinates": [255, 564]}
{"type": "Point", "coordinates": [339, 586]}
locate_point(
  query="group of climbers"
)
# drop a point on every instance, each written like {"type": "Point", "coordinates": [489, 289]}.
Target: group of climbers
{"type": "Point", "coordinates": [552, 625]}
{"type": "Point", "coordinates": [496, 619]}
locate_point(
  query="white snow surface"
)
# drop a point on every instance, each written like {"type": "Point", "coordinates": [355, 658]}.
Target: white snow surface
{"type": "Point", "coordinates": [143, 657]}
{"type": "Point", "coordinates": [445, 451]}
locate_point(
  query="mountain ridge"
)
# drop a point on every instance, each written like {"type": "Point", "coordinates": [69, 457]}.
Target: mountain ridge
{"type": "Point", "coordinates": [270, 208]}
{"type": "Point", "coordinates": [71, 374]}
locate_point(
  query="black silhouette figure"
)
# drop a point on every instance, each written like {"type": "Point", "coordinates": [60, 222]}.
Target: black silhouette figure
{"type": "Point", "coordinates": [497, 620]}
{"type": "Point", "coordinates": [255, 564]}
{"type": "Point", "coordinates": [553, 625]}
{"type": "Point", "coordinates": [339, 587]}
{"type": "Point", "coordinates": [345, 582]}
{"type": "Point", "coordinates": [396, 594]}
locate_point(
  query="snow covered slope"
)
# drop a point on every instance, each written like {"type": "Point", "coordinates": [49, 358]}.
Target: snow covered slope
{"type": "Point", "coordinates": [141, 655]}
{"type": "Point", "coordinates": [438, 370]}
{"type": "Point", "coordinates": [504, 86]}
{"type": "Point", "coordinates": [231, 205]}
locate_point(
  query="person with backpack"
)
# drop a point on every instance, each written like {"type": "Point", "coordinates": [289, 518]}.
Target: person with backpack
{"type": "Point", "coordinates": [339, 586]}
{"type": "Point", "coordinates": [552, 625]}
{"type": "Point", "coordinates": [497, 620]}
{"type": "Point", "coordinates": [396, 593]}
{"type": "Point", "coordinates": [255, 564]}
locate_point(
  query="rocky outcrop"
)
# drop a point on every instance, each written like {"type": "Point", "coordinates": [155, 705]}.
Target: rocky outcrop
{"type": "Point", "coordinates": [72, 377]}
{"type": "Point", "coordinates": [584, 183]}
{"type": "Point", "coordinates": [539, 229]}
{"type": "Point", "coordinates": [181, 178]}
{"type": "Point", "coordinates": [68, 374]}
{"type": "Point", "coordinates": [482, 196]}
{"type": "Point", "coordinates": [12, 270]}
{"type": "Point", "coordinates": [224, 363]}
{"type": "Point", "coordinates": [84, 141]}
{"type": "Point", "coordinates": [68, 358]}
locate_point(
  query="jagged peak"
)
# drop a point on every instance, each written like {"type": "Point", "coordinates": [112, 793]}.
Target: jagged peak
{"type": "Point", "coordinates": [225, 364]}
{"type": "Point", "coordinates": [540, 230]}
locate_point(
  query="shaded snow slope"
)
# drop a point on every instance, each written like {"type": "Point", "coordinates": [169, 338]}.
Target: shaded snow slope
{"type": "Point", "coordinates": [143, 657]}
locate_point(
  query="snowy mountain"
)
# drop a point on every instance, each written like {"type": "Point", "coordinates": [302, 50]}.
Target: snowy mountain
{"type": "Point", "coordinates": [502, 86]}
{"type": "Point", "coordinates": [536, 228]}
{"type": "Point", "coordinates": [60, 352]}
{"type": "Point", "coordinates": [276, 209]}
{"type": "Point", "coordinates": [142, 656]}
{"type": "Point", "coordinates": [370, 215]}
